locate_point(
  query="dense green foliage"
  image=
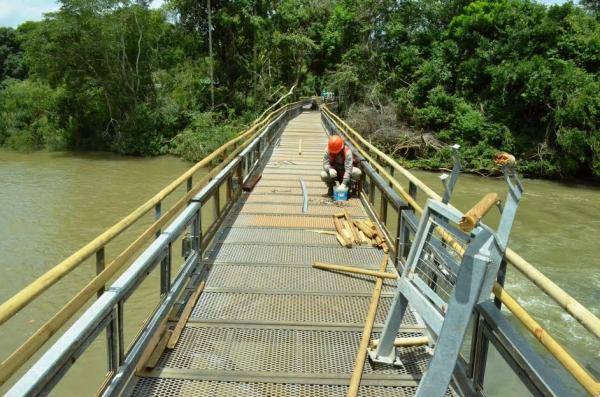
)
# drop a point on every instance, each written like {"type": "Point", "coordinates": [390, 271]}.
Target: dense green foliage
{"type": "Point", "coordinates": [508, 75]}
{"type": "Point", "coordinates": [417, 75]}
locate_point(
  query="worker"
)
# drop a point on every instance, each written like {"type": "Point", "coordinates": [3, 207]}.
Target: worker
{"type": "Point", "coordinates": [338, 165]}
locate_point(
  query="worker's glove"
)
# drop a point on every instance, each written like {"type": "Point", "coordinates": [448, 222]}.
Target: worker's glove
{"type": "Point", "coordinates": [332, 173]}
{"type": "Point", "coordinates": [343, 186]}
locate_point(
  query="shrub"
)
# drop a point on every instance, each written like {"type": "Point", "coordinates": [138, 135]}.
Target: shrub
{"type": "Point", "coordinates": [29, 116]}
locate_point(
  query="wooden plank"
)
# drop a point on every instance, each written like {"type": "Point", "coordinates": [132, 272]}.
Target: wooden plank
{"type": "Point", "coordinates": [185, 314]}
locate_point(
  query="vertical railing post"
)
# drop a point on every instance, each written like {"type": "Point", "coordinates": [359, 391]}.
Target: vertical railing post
{"type": "Point", "coordinates": [165, 272]}
{"type": "Point", "coordinates": [371, 191]}
{"type": "Point", "coordinates": [113, 342]}
{"type": "Point", "coordinates": [157, 213]}
{"type": "Point", "coordinates": [189, 183]}
{"type": "Point", "coordinates": [217, 202]}
{"type": "Point", "coordinates": [398, 246]}
{"type": "Point", "coordinates": [383, 209]}
{"type": "Point", "coordinates": [479, 349]}
{"type": "Point", "coordinates": [479, 354]}
{"type": "Point", "coordinates": [405, 231]}
{"type": "Point", "coordinates": [100, 265]}
{"type": "Point", "coordinates": [120, 331]}
{"type": "Point", "coordinates": [197, 232]}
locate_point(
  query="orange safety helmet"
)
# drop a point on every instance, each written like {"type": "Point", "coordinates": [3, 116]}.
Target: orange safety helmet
{"type": "Point", "coordinates": [335, 144]}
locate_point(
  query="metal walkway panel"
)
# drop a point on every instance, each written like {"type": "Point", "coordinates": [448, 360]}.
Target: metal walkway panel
{"type": "Point", "coordinates": [288, 309]}
{"type": "Point", "coordinates": [271, 236]}
{"type": "Point", "coordinates": [267, 323]}
{"type": "Point", "coordinates": [282, 351]}
{"type": "Point", "coordinates": [295, 255]}
{"type": "Point", "coordinates": [291, 279]}
{"type": "Point", "coordinates": [287, 221]}
{"type": "Point", "coordinates": [296, 209]}
{"type": "Point", "coordinates": [314, 191]}
{"type": "Point", "coordinates": [172, 387]}
{"type": "Point", "coordinates": [297, 199]}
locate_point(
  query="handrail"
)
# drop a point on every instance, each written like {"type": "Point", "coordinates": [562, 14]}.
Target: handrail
{"type": "Point", "coordinates": [567, 302]}
{"type": "Point", "coordinates": [22, 298]}
{"type": "Point", "coordinates": [196, 195]}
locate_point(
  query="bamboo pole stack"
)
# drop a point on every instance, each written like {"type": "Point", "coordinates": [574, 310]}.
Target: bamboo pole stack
{"type": "Point", "coordinates": [357, 232]}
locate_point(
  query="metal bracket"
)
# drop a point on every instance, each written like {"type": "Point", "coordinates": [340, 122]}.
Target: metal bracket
{"type": "Point", "coordinates": [509, 210]}
{"type": "Point", "coordinates": [449, 185]}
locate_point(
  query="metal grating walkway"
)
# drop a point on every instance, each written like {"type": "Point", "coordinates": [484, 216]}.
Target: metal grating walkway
{"type": "Point", "coordinates": [267, 324]}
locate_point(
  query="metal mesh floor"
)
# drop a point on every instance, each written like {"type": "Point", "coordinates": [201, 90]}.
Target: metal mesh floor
{"type": "Point", "coordinates": [267, 323]}
{"type": "Point", "coordinates": [287, 221]}
{"type": "Point", "coordinates": [199, 388]}
{"type": "Point", "coordinates": [296, 209]}
{"type": "Point", "coordinates": [280, 308]}
{"type": "Point", "coordinates": [294, 255]}
{"type": "Point", "coordinates": [293, 279]}
{"type": "Point", "coordinates": [271, 236]}
{"type": "Point", "coordinates": [281, 351]}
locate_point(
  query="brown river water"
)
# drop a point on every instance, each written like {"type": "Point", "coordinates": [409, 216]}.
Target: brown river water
{"type": "Point", "coordinates": [53, 203]}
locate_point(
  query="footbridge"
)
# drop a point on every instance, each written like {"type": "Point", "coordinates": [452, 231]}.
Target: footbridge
{"type": "Point", "coordinates": [248, 303]}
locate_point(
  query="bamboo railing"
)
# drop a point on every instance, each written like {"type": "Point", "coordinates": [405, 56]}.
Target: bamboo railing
{"type": "Point", "coordinates": [564, 300]}
{"type": "Point", "coordinates": [28, 294]}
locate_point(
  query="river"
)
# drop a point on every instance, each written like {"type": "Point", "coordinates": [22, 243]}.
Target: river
{"type": "Point", "coordinates": [53, 203]}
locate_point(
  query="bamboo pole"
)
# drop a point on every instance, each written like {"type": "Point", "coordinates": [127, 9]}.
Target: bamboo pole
{"type": "Point", "coordinates": [340, 230]}
{"type": "Point", "coordinates": [12, 363]}
{"type": "Point", "coordinates": [52, 276]}
{"type": "Point", "coordinates": [352, 269]}
{"type": "Point", "coordinates": [361, 355]}
{"type": "Point", "coordinates": [566, 301]}
{"type": "Point", "coordinates": [567, 361]}
{"type": "Point", "coordinates": [472, 217]}
{"type": "Point", "coordinates": [369, 233]}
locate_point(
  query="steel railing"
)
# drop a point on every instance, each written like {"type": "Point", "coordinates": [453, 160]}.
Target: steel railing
{"type": "Point", "coordinates": [237, 160]}
{"type": "Point", "coordinates": [383, 192]}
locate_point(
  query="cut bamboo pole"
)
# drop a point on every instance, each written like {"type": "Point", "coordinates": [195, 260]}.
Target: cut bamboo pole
{"type": "Point", "coordinates": [361, 355]}
{"type": "Point", "coordinates": [365, 229]}
{"type": "Point", "coordinates": [406, 342]}
{"type": "Point", "coordinates": [185, 314]}
{"type": "Point", "coordinates": [472, 217]}
{"type": "Point", "coordinates": [352, 227]}
{"type": "Point", "coordinates": [340, 229]}
{"type": "Point", "coordinates": [363, 238]}
{"type": "Point", "coordinates": [350, 230]}
{"type": "Point", "coordinates": [352, 269]}
{"type": "Point", "coordinates": [342, 241]}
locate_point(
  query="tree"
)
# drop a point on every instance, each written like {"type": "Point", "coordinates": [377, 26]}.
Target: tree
{"type": "Point", "coordinates": [12, 64]}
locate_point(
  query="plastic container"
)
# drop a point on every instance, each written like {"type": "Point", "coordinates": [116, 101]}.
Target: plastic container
{"type": "Point", "coordinates": [340, 194]}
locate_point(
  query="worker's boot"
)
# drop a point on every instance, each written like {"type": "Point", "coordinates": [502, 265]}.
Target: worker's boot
{"type": "Point", "coordinates": [330, 191]}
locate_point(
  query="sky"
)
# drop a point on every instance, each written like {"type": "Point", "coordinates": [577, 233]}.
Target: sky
{"type": "Point", "coordinates": [15, 12]}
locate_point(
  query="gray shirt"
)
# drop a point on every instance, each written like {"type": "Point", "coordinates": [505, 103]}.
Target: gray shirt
{"type": "Point", "coordinates": [342, 163]}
